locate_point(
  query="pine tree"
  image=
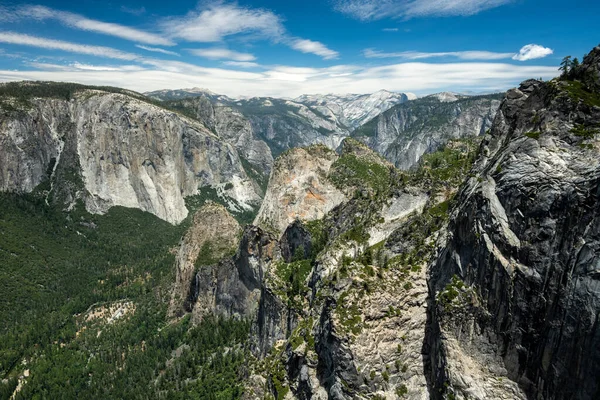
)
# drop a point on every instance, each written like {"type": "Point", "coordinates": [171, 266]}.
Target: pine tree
{"type": "Point", "coordinates": [565, 65]}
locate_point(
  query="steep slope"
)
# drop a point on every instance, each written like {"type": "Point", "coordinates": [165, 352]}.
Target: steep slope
{"type": "Point", "coordinates": [285, 124]}
{"type": "Point", "coordinates": [109, 149]}
{"type": "Point", "coordinates": [299, 188]}
{"type": "Point", "coordinates": [353, 110]}
{"type": "Point", "coordinates": [407, 131]}
{"type": "Point", "coordinates": [262, 123]}
{"type": "Point", "coordinates": [516, 282]}
{"type": "Point", "coordinates": [225, 119]}
{"type": "Point", "coordinates": [200, 247]}
{"type": "Point", "coordinates": [336, 288]}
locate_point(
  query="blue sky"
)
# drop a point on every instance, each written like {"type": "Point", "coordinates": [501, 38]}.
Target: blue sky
{"type": "Point", "coordinates": [288, 48]}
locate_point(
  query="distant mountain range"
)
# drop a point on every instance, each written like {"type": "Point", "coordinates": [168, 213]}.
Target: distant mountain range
{"type": "Point", "coordinates": [400, 126]}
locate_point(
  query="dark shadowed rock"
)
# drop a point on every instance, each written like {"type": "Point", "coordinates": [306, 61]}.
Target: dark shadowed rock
{"type": "Point", "coordinates": [525, 240]}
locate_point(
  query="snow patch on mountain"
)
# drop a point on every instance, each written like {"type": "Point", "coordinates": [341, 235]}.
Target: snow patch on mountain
{"type": "Point", "coordinates": [353, 110]}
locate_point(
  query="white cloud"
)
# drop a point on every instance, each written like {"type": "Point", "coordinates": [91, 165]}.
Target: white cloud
{"type": "Point", "coordinates": [241, 64]}
{"type": "Point", "coordinates": [318, 48]}
{"type": "Point", "coordinates": [157, 50]}
{"type": "Point", "coordinates": [80, 22]}
{"type": "Point", "coordinates": [88, 67]}
{"type": "Point", "coordinates": [35, 41]}
{"type": "Point", "coordinates": [416, 55]}
{"type": "Point", "coordinates": [222, 54]}
{"type": "Point", "coordinates": [286, 81]}
{"type": "Point", "coordinates": [219, 20]}
{"type": "Point", "coordinates": [390, 29]}
{"type": "Point", "coordinates": [76, 66]}
{"type": "Point", "coordinates": [370, 10]}
{"type": "Point", "coordinates": [532, 51]}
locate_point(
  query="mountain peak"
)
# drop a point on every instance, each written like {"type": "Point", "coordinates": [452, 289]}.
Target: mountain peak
{"type": "Point", "coordinates": [589, 70]}
{"type": "Point", "coordinates": [446, 97]}
{"type": "Point", "coordinates": [352, 110]}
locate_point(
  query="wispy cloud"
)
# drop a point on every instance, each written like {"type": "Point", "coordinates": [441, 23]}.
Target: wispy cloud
{"type": "Point", "coordinates": [289, 81]}
{"type": "Point", "coordinates": [241, 64]}
{"type": "Point", "coordinates": [76, 66]}
{"type": "Point", "coordinates": [51, 44]}
{"type": "Point", "coordinates": [88, 67]}
{"type": "Point", "coordinates": [222, 54]}
{"type": "Point", "coordinates": [219, 20]}
{"type": "Point", "coordinates": [134, 11]}
{"type": "Point", "coordinates": [532, 51]}
{"type": "Point", "coordinates": [528, 52]}
{"type": "Point", "coordinates": [107, 52]}
{"type": "Point", "coordinates": [157, 50]}
{"type": "Point", "coordinates": [318, 48]}
{"type": "Point", "coordinates": [48, 66]}
{"type": "Point", "coordinates": [77, 21]}
{"type": "Point", "coordinates": [416, 55]}
{"type": "Point", "coordinates": [370, 10]}
{"type": "Point", "coordinates": [390, 29]}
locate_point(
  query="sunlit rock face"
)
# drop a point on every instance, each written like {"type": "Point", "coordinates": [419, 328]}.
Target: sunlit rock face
{"type": "Point", "coordinates": [110, 149]}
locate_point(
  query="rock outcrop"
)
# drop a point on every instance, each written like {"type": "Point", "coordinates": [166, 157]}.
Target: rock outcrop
{"type": "Point", "coordinates": [516, 282]}
{"type": "Point", "coordinates": [113, 149]}
{"type": "Point", "coordinates": [213, 235]}
{"type": "Point", "coordinates": [236, 286]}
{"type": "Point", "coordinates": [299, 188]}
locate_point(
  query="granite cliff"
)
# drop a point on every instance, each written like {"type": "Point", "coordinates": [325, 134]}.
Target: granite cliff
{"type": "Point", "coordinates": [407, 131]}
{"type": "Point", "coordinates": [110, 148]}
{"type": "Point", "coordinates": [516, 280]}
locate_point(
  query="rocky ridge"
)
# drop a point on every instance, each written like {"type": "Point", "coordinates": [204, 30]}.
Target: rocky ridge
{"type": "Point", "coordinates": [213, 235]}
{"type": "Point", "coordinates": [329, 289]}
{"type": "Point", "coordinates": [418, 126]}
{"type": "Point", "coordinates": [353, 110]}
{"type": "Point", "coordinates": [516, 278]}
{"type": "Point", "coordinates": [299, 188]}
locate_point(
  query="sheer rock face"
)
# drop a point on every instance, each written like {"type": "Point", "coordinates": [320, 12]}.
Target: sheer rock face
{"type": "Point", "coordinates": [525, 238]}
{"type": "Point", "coordinates": [296, 242]}
{"type": "Point", "coordinates": [299, 188]}
{"type": "Point", "coordinates": [237, 287]}
{"type": "Point", "coordinates": [230, 286]}
{"type": "Point", "coordinates": [28, 144]}
{"type": "Point", "coordinates": [215, 233]}
{"type": "Point", "coordinates": [407, 131]}
{"type": "Point", "coordinates": [124, 151]}
{"type": "Point", "coordinates": [231, 125]}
